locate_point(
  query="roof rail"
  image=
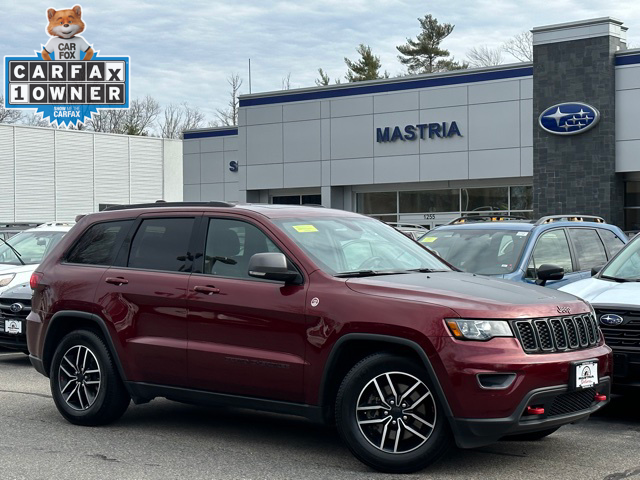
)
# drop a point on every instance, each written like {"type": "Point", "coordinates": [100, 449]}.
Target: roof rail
{"type": "Point", "coordinates": [569, 218]}
{"type": "Point", "coordinates": [406, 225]}
{"type": "Point", "coordinates": [485, 218]}
{"type": "Point", "coordinates": [163, 204]}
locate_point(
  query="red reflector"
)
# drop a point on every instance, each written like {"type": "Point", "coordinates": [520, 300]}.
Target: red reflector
{"type": "Point", "coordinates": [535, 410]}
{"type": "Point", "coordinates": [35, 280]}
{"type": "Point", "coordinates": [600, 397]}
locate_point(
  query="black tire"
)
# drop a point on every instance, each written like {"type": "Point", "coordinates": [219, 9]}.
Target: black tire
{"type": "Point", "coordinates": [532, 436]}
{"type": "Point", "coordinates": [403, 453]}
{"type": "Point", "coordinates": [93, 403]}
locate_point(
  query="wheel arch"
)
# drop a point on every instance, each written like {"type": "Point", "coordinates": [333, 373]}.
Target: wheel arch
{"type": "Point", "coordinates": [353, 347]}
{"type": "Point", "coordinates": [66, 321]}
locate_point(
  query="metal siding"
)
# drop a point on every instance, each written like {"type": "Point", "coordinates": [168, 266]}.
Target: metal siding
{"type": "Point", "coordinates": [7, 174]}
{"type": "Point", "coordinates": [111, 176]}
{"type": "Point", "coordinates": [74, 174]}
{"type": "Point", "coordinates": [146, 169]}
{"type": "Point", "coordinates": [34, 174]}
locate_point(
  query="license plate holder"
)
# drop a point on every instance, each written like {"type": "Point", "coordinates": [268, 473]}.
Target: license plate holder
{"type": "Point", "coordinates": [13, 327]}
{"type": "Point", "coordinates": [584, 374]}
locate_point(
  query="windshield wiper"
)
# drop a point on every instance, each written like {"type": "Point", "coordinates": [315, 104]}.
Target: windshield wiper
{"type": "Point", "coordinates": [18, 256]}
{"type": "Point", "coordinates": [369, 273]}
{"type": "Point", "coordinates": [426, 270]}
{"type": "Point", "coordinates": [619, 280]}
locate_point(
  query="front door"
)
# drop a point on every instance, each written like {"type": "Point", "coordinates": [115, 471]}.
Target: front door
{"type": "Point", "coordinates": [246, 335]}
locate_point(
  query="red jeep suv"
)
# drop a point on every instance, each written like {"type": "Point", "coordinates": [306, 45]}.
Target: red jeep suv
{"type": "Point", "coordinates": [308, 311]}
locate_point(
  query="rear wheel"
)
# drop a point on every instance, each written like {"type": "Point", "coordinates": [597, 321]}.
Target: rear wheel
{"type": "Point", "coordinates": [85, 384]}
{"type": "Point", "coordinates": [388, 414]}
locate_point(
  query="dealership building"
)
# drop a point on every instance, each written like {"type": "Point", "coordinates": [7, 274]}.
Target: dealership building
{"type": "Point", "coordinates": [424, 149]}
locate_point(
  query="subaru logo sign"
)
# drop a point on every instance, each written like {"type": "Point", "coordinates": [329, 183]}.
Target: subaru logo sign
{"type": "Point", "coordinates": [611, 320]}
{"type": "Point", "coordinates": [16, 307]}
{"type": "Point", "coordinates": [569, 118]}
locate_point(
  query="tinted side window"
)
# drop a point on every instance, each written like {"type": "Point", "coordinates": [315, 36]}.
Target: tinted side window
{"type": "Point", "coordinates": [98, 245]}
{"type": "Point", "coordinates": [230, 245]}
{"type": "Point", "coordinates": [589, 249]}
{"type": "Point", "coordinates": [552, 248]}
{"type": "Point", "coordinates": [162, 244]}
{"type": "Point", "coordinates": [611, 241]}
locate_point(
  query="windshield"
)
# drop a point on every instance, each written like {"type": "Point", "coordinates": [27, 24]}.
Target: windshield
{"type": "Point", "coordinates": [482, 251]}
{"type": "Point", "coordinates": [32, 247]}
{"type": "Point", "coordinates": [626, 265]}
{"type": "Point", "coordinates": [346, 245]}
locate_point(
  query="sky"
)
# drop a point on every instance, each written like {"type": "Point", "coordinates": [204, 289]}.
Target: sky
{"type": "Point", "coordinates": [185, 51]}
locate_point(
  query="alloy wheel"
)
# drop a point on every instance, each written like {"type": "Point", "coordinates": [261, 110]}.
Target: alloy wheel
{"type": "Point", "coordinates": [79, 377]}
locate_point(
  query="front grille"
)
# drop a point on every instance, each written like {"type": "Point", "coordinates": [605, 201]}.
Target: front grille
{"type": "Point", "coordinates": [6, 312]}
{"type": "Point", "coordinates": [548, 335]}
{"type": "Point", "coordinates": [625, 336]}
{"type": "Point", "coordinates": [572, 402]}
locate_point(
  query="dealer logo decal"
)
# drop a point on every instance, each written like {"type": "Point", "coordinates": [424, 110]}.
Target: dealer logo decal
{"type": "Point", "coordinates": [67, 81]}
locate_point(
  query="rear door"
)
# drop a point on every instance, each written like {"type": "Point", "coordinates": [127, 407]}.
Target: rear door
{"type": "Point", "coordinates": [246, 335]}
{"type": "Point", "coordinates": [588, 249]}
{"type": "Point", "coordinates": [144, 298]}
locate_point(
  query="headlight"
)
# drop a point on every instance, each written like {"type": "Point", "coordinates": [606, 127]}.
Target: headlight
{"type": "Point", "coordinates": [6, 279]}
{"type": "Point", "coordinates": [479, 329]}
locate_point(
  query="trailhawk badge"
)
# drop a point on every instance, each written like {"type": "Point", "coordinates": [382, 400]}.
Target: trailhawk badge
{"type": "Point", "coordinates": [66, 82]}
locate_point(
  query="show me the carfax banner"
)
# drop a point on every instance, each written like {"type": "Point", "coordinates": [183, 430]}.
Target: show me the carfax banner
{"type": "Point", "coordinates": [67, 81]}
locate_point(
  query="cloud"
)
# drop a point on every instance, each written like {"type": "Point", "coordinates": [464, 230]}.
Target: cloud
{"type": "Point", "coordinates": [184, 52]}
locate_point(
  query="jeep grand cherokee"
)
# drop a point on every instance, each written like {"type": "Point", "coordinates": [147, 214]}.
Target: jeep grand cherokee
{"type": "Point", "coordinates": [308, 311]}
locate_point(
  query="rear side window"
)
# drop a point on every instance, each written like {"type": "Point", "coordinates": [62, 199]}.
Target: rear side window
{"type": "Point", "coordinates": [611, 241]}
{"type": "Point", "coordinates": [162, 244]}
{"type": "Point", "coordinates": [99, 244]}
{"type": "Point", "coordinates": [588, 248]}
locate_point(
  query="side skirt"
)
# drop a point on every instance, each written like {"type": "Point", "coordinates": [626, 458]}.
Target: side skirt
{"type": "Point", "coordinates": [147, 391]}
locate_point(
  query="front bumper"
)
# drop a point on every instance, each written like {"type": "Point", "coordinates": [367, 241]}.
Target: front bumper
{"type": "Point", "coordinates": [561, 405]}
{"type": "Point", "coordinates": [13, 342]}
{"type": "Point", "coordinates": [626, 369]}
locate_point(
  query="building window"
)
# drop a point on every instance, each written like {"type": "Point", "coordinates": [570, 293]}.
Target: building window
{"type": "Point", "coordinates": [377, 203]}
{"type": "Point", "coordinates": [521, 198]}
{"type": "Point", "coordinates": [297, 200]}
{"type": "Point", "coordinates": [430, 201]}
{"type": "Point", "coordinates": [485, 199]}
{"type": "Point", "coordinates": [632, 206]}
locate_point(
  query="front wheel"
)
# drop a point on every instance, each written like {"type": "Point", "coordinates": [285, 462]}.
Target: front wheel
{"type": "Point", "coordinates": [389, 415]}
{"type": "Point", "coordinates": [85, 384]}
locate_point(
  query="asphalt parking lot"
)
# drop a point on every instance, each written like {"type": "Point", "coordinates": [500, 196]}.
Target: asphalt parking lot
{"type": "Point", "coordinates": [166, 440]}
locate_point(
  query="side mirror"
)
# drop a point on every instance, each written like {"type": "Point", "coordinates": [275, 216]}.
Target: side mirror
{"type": "Point", "coordinates": [548, 272]}
{"type": "Point", "coordinates": [272, 266]}
{"type": "Point", "coordinates": [596, 270]}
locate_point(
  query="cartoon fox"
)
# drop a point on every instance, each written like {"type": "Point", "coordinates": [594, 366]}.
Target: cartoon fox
{"type": "Point", "coordinates": [64, 27]}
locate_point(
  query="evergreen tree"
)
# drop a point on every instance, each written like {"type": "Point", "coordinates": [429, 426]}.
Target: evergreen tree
{"type": "Point", "coordinates": [424, 55]}
{"type": "Point", "coordinates": [324, 79]}
{"type": "Point", "coordinates": [367, 68]}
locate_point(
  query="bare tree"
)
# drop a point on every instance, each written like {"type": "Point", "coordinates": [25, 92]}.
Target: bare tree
{"type": "Point", "coordinates": [137, 120]}
{"type": "Point", "coordinates": [34, 120]}
{"type": "Point", "coordinates": [286, 82]}
{"type": "Point", "coordinates": [520, 46]}
{"type": "Point", "coordinates": [178, 118]}
{"type": "Point", "coordinates": [8, 115]}
{"type": "Point", "coordinates": [229, 116]}
{"type": "Point", "coordinates": [484, 56]}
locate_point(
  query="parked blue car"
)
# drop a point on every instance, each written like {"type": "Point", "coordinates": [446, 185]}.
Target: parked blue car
{"type": "Point", "coordinates": [567, 247]}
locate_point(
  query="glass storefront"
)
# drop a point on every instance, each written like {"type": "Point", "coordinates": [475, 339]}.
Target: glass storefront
{"type": "Point", "coordinates": [435, 207]}
{"type": "Point", "coordinates": [632, 206]}
{"type": "Point", "coordinates": [297, 200]}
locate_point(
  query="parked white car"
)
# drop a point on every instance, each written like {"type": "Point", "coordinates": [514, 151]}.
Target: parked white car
{"type": "Point", "coordinates": [21, 254]}
{"type": "Point", "coordinates": [614, 293]}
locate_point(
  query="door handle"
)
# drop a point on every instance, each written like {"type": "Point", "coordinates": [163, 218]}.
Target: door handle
{"type": "Point", "coordinates": [208, 289]}
{"type": "Point", "coordinates": [116, 280]}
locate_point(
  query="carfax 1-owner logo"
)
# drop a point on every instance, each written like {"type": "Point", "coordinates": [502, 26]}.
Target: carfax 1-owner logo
{"type": "Point", "coordinates": [67, 81]}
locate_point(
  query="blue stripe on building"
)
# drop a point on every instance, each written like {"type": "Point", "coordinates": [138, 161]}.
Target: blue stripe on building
{"type": "Point", "coordinates": [389, 87]}
{"type": "Point", "coordinates": [628, 59]}
{"type": "Point", "coordinates": [214, 133]}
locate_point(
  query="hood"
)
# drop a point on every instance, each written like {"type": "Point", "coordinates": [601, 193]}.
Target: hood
{"type": "Point", "coordinates": [7, 268]}
{"type": "Point", "coordinates": [606, 292]}
{"type": "Point", "coordinates": [470, 295]}
{"type": "Point", "coordinates": [21, 291]}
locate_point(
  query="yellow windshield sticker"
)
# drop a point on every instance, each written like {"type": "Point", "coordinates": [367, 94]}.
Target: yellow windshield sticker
{"type": "Point", "coordinates": [305, 228]}
{"type": "Point", "coordinates": [429, 239]}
